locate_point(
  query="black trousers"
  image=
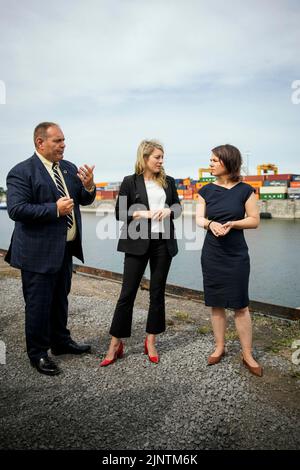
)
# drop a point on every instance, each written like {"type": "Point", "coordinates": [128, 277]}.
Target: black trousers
{"type": "Point", "coordinates": [46, 308]}
{"type": "Point", "coordinates": [134, 268]}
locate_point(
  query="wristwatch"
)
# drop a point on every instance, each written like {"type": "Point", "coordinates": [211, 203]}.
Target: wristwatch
{"type": "Point", "coordinates": [91, 190]}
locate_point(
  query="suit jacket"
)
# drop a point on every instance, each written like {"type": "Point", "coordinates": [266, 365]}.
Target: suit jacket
{"type": "Point", "coordinates": [135, 234]}
{"type": "Point", "coordinates": [39, 238]}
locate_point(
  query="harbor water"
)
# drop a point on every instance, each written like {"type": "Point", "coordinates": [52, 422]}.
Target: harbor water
{"type": "Point", "coordinates": [273, 249]}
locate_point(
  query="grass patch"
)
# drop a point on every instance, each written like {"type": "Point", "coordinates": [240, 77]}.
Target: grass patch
{"type": "Point", "coordinates": [231, 335]}
{"type": "Point", "coordinates": [181, 315]}
{"type": "Point", "coordinates": [278, 345]}
{"type": "Point", "coordinates": [204, 330]}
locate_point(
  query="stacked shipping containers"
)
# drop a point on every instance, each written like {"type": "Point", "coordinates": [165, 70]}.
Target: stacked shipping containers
{"type": "Point", "coordinates": [275, 186]}
{"type": "Point", "coordinates": [188, 188]}
{"type": "Point", "coordinates": [107, 190]}
{"type": "Point", "coordinates": [266, 187]}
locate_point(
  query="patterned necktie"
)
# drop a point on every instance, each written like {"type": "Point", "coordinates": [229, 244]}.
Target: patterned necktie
{"type": "Point", "coordinates": [62, 192]}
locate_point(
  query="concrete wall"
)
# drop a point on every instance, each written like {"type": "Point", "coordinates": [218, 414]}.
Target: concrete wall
{"type": "Point", "coordinates": [286, 209]}
{"type": "Point", "coordinates": [280, 209]}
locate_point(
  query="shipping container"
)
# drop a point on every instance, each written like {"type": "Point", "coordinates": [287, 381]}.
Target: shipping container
{"type": "Point", "coordinates": [108, 194]}
{"type": "Point", "coordinates": [293, 190]}
{"type": "Point", "coordinates": [247, 178]}
{"type": "Point", "coordinates": [295, 184]}
{"type": "Point", "coordinates": [273, 190]}
{"type": "Point", "coordinates": [200, 185]}
{"type": "Point", "coordinates": [279, 177]}
{"type": "Point", "coordinates": [206, 179]}
{"type": "Point", "coordinates": [112, 188]}
{"type": "Point", "coordinates": [276, 183]}
{"type": "Point", "coordinates": [188, 194]}
{"type": "Point", "coordinates": [273, 196]}
{"type": "Point", "coordinates": [254, 184]}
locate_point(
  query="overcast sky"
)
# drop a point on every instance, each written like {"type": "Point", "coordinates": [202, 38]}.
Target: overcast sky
{"type": "Point", "coordinates": [191, 73]}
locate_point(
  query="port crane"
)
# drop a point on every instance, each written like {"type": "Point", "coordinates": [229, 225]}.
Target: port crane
{"type": "Point", "coordinates": [265, 167]}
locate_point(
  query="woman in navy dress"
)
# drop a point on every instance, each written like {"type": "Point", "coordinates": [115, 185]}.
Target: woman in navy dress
{"type": "Point", "coordinates": [227, 207]}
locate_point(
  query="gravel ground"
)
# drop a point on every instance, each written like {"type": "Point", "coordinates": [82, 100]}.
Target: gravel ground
{"type": "Point", "coordinates": [134, 404]}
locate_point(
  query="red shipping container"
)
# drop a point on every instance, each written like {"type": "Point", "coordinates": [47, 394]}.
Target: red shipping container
{"type": "Point", "coordinates": [254, 178]}
{"type": "Point", "coordinates": [109, 194]}
{"type": "Point", "coordinates": [278, 177]}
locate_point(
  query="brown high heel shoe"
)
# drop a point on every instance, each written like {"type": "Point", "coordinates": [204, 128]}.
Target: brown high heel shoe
{"type": "Point", "coordinates": [212, 360]}
{"type": "Point", "coordinates": [258, 371]}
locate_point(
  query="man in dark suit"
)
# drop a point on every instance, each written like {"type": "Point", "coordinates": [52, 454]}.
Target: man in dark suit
{"type": "Point", "coordinates": [43, 197]}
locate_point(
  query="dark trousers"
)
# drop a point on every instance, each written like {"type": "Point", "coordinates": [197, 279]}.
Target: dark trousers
{"type": "Point", "coordinates": [134, 268]}
{"type": "Point", "coordinates": [46, 308]}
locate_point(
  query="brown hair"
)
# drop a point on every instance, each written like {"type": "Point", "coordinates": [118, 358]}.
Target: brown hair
{"type": "Point", "coordinates": [41, 130]}
{"type": "Point", "coordinates": [231, 157]}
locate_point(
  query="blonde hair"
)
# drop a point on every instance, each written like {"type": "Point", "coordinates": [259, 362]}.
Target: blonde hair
{"type": "Point", "coordinates": [145, 149]}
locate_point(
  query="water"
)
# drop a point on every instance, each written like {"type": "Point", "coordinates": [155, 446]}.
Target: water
{"type": "Point", "coordinates": [273, 249]}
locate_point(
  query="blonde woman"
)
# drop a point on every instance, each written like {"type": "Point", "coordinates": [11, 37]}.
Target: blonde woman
{"type": "Point", "coordinates": [147, 204]}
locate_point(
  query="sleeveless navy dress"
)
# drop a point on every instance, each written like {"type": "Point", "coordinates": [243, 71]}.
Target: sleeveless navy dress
{"type": "Point", "coordinates": [225, 260]}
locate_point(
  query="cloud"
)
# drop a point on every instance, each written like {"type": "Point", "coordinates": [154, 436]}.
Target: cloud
{"type": "Point", "coordinates": [193, 73]}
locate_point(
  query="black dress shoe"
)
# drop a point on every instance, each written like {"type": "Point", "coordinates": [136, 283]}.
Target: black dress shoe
{"type": "Point", "coordinates": [46, 366]}
{"type": "Point", "coordinates": [71, 348]}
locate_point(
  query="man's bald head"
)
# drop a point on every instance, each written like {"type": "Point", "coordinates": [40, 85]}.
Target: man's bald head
{"type": "Point", "coordinates": [41, 131]}
{"type": "Point", "coordinates": [49, 141]}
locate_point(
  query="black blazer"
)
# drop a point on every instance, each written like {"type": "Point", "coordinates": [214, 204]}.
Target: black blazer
{"type": "Point", "coordinates": [135, 234]}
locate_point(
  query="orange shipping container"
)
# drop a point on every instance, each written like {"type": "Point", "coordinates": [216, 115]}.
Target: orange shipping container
{"type": "Point", "coordinates": [255, 184]}
{"type": "Point", "coordinates": [200, 185]}
{"type": "Point", "coordinates": [188, 194]}
{"type": "Point", "coordinates": [108, 194]}
{"type": "Point", "coordinates": [295, 184]}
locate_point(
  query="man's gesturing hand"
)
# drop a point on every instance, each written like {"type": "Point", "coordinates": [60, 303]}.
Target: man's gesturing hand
{"type": "Point", "coordinates": [85, 173]}
{"type": "Point", "coordinates": [64, 205]}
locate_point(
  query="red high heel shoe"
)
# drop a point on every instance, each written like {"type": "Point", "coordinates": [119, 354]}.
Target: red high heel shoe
{"type": "Point", "coordinates": [118, 355]}
{"type": "Point", "coordinates": [154, 359]}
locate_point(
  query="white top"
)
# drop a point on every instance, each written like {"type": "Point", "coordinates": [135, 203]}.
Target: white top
{"type": "Point", "coordinates": [157, 199]}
